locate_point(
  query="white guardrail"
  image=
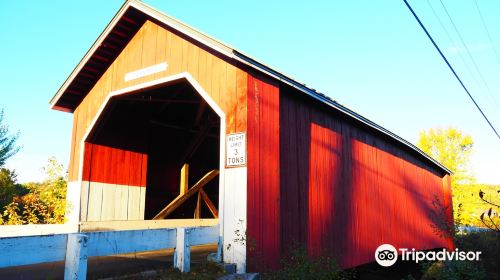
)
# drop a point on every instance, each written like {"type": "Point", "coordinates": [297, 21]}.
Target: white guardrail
{"type": "Point", "coordinates": [75, 248]}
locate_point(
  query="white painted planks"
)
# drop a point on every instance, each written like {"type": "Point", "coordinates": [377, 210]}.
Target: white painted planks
{"type": "Point", "coordinates": [108, 202]}
{"type": "Point", "coordinates": [95, 201]}
{"type": "Point", "coordinates": [84, 201]}
{"type": "Point", "coordinates": [111, 202]}
{"type": "Point", "coordinates": [134, 203]}
{"type": "Point", "coordinates": [121, 203]}
{"type": "Point", "coordinates": [235, 217]}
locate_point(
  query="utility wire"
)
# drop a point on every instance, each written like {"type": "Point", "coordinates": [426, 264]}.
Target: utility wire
{"type": "Point", "coordinates": [464, 61]}
{"type": "Point", "coordinates": [470, 55]}
{"type": "Point", "coordinates": [452, 41]}
{"type": "Point", "coordinates": [451, 68]}
{"type": "Point", "coordinates": [487, 31]}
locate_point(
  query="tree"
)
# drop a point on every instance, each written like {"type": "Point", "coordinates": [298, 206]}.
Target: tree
{"type": "Point", "coordinates": [491, 218]}
{"type": "Point", "coordinates": [8, 146]}
{"type": "Point", "coordinates": [452, 148]}
{"type": "Point", "coordinates": [43, 203]}
{"type": "Point", "coordinates": [7, 186]}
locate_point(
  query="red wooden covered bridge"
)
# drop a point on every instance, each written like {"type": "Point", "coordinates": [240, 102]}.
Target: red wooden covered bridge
{"type": "Point", "coordinates": [172, 126]}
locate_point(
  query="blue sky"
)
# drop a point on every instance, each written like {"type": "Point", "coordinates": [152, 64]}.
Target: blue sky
{"type": "Point", "coordinates": [370, 56]}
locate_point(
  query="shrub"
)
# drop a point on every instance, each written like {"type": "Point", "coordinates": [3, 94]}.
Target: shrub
{"type": "Point", "coordinates": [38, 203]}
{"type": "Point", "coordinates": [453, 270]}
{"type": "Point", "coordinates": [299, 265]}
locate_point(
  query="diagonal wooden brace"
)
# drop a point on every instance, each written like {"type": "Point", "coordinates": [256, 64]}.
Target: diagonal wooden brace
{"type": "Point", "coordinates": [183, 197]}
{"type": "Point", "coordinates": [209, 203]}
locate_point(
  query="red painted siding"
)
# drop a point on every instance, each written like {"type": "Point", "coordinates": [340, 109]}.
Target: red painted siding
{"type": "Point", "coordinates": [109, 165]}
{"type": "Point", "coordinates": [448, 204]}
{"type": "Point", "coordinates": [324, 164]}
{"type": "Point", "coordinates": [345, 188]}
{"type": "Point", "coordinates": [263, 199]}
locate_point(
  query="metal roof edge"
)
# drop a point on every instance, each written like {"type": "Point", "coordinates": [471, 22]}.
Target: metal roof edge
{"type": "Point", "coordinates": [337, 106]}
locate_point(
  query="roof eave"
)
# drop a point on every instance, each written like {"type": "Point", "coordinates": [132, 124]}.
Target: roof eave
{"type": "Point", "coordinates": [269, 71]}
{"type": "Point", "coordinates": [86, 57]}
{"type": "Point", "coordinates": [229, 52]}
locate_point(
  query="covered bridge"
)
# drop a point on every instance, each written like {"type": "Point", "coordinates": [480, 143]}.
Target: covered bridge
{"type": "Point", "coordinates": [172, 125]}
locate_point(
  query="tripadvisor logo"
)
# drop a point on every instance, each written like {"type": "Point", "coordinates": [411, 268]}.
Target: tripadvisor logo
{"type": "Point", "coordinates": [387, 255]}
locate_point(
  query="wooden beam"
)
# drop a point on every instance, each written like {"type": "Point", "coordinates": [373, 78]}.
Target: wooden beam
{"type": "Point", "coordinates": [121, 34]}
{"type": "Point", "coordinates": [86, 75]}
{"type": "Point", "coordinates": [105, 59]}
{"type": "Point", "coordinates": [184, 185]}
{"type": "Point", "coordinates": [110, 45]}
{"type": "Point", "coordinates": [195, 144]}
{"type": "Point", "coordinates": [199, 113]}
{"type": "Point", "coordinates": [173, 94]}
{"type": "Point", "coordinates": [129, 20]}
{"type": "Point", "coordinates": [197, 210]}
{"type": "Point", "coordinates": [173, 126]}
{"type": "Point", "coordinates": [91, 69]}
{"type": "Point", "coordinates": [105, 52]}
{"type": "Point", "coordinates": [183, 128]}
{"type": "Point", "coordinates": [119, 41]}
{"type": "Point", "coordinates": [140, 225]}
{"type": "Point", "coordinates": [160, 100]}
{"type": "Point", "coordinates": [124, 27]}
{"type": "Point", "coordinates": [209, 203]}
{"type": "Point", "coordinates": [182, 198]}
{"type": "Point", "coordinates": [74, 91]}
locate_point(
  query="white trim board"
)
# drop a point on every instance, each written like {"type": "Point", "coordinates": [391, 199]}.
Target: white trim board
{"type": "Point", "coordinates": [165, 81]}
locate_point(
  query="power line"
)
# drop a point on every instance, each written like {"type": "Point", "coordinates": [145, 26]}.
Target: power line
{"type": "Point", "coordinates": [464, 61]}
{"type": "Point", "coordinates": [442, 25]}
{"type": "Point", "coordinates": [452, 41]}
{"type": "Point", "coordinates": [487, 31]}
{"type": "Point", "coordinates": [451, 68]}
{"type": "Point", "coordinates": [470, 55]}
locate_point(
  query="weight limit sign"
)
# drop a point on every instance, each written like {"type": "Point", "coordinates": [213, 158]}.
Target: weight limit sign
{"type": "Point", "coordinates": [236, 149]}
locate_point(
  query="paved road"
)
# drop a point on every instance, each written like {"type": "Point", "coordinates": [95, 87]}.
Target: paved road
{"type": "Point", "coordinates": [102, 267]}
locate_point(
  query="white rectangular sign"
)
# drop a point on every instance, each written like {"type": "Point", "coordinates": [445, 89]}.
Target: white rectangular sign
{"type": "Point", "coordinates": [236, 149]}
{"type": "Point", "coordinates": [146, 71]}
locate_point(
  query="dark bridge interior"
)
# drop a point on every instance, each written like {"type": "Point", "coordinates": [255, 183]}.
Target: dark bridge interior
{"type": "Point", "coordinates": [172, 125]}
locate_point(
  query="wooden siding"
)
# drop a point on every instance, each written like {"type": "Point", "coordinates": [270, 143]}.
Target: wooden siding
{"type": "Point", "coordinates": [346, 188]}
{"type": "Point", "coordinates": [114, 182]}
{"type": "Point", "coordinates": [263, 181]}
{"type": "Point", "coordinates": [314, 177]}
{"type": "Point", "coordinates": [110, 165]}
{"type": "Point", "coordinates": [154, 44]}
